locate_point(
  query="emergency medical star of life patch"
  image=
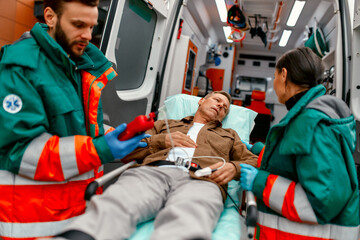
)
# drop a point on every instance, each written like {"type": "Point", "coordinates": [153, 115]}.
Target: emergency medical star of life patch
{"type": "Point", "coordinates": [12, 103]}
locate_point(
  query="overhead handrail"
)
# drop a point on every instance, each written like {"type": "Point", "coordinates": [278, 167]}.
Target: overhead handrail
{"type": "Point", "coordinates": [272, 31]}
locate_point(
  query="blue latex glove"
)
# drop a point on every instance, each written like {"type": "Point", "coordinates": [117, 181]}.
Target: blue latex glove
{"type": "Point", "coordinates": [120, 149]}
{"type": "Point", "coordinates": [248, 145]}
{"type": "Point", "coordinates": [247, 176]}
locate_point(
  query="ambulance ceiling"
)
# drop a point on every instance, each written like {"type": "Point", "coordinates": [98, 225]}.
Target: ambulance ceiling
{"type": "Point", "coordinates": [205, 14]}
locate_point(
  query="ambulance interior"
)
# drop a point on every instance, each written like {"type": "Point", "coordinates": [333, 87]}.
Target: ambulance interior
{"type": "Point", "coordinates": [187, 47]}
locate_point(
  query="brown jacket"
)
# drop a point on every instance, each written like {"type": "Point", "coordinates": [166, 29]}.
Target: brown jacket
{"type": "Point", "coordinates": [212, 140]}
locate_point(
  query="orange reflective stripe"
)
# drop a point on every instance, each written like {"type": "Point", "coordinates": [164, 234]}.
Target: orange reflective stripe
{"type": "Point", "coordinates": [86, 155]}
{"type": "Point", "coordinates": [87, 80]}
{"type": "Point", "coordinates": [269, 184]}
{"type": "Point", "coordinates": [288, 209]}
{"type": "Point", "coordinates": [6, 196]}
{"type": "Point", "coordinates": [266, 233]}
{"type": "Point", "coordinates": [260, 157]}
{"type": "Point", "coordinates": [92, 91]}
{"type": "Point", "coordinates": [49, 166]}
{"type": "Point", "coordinates": [42, 203]}
{"type": "Point", "coordinates": [9, 238]}
{"type": "Point", "coordinates": [95, 93]}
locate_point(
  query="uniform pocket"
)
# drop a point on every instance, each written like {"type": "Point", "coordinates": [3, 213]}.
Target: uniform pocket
{"type": "Point", "coordinates": [64, 110]}
{"type": "Point", "coordinates": [57, 101]}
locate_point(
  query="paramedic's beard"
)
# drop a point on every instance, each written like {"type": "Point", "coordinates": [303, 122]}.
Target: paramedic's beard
{"type": "Point", "coordinates": [69, 47]}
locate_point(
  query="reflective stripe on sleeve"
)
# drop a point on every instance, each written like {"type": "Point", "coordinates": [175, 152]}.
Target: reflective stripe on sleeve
{"type": "Point", "coordinates": [32, 155]}
{"type": "Point", "coordinates": [50, 158]}
{"type": "Point", "coordinates": [292, 230]}
{"type": "Point", "coordinates": [68, 157]}
{"type": "Point", "coordinates": [28, 230]}
{"type": "Point", "coordinates": [289, 199]}
{"type": "Point", "coordinates": [277, 194]}
{"type": "Point", "coordinates": [86, 154]}
{"type": "Point", "coordinates": [301, 202]}
{"type": "Point", "coordinates": [267, 191]}
{"type": "Point", "coordinates": [288, 209]}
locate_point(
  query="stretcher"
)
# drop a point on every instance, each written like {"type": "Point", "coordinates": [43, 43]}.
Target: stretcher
{"type": "Point", "coordinates": [231, 225]}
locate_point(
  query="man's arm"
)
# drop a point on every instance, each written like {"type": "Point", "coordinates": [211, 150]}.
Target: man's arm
{"type": "Point", "coordinates": [231, 170]}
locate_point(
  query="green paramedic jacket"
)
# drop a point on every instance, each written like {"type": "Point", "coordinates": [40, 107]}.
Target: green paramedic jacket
{"type": "Point", "coordinates": [52, 141]}
{"type": "Point", "coordinates": [307, 183]}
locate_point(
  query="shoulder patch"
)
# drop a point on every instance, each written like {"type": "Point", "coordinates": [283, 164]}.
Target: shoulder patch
{"type": "Point", "coordinates": [12, 103]}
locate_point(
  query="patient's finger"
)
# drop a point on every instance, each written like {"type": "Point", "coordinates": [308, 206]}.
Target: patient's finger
{"type": "Point", "coordinates": [175, 136]}
{"type": "Point", "coordinates": [216, 165]}
{"type": "Point", "coordinates": [223, 175]}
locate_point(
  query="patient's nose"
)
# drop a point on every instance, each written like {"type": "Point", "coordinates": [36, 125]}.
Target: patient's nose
{"type": "Point", "coordinates": [221, 105]}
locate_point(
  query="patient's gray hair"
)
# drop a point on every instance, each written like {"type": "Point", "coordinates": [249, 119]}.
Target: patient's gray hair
{"type": "Point", "coordinates": [223, 93]}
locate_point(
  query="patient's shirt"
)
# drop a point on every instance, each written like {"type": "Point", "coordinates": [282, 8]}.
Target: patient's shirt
{"type": "Point", "coordinates": [186, 153]}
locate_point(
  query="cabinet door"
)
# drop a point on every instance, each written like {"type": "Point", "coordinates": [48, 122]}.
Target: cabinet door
{"type": "Point", "coordinates": [189, 68]}
{"type": "Point", "coordinates": [216, 77]}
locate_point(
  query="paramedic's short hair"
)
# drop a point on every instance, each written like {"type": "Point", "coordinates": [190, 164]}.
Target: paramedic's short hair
{"type": "Point", "coordinates": [304, 67]}
{"type": "Point", "coordinates": [57, 5]}
{"type": "Point", "coordinates": [223, 93]}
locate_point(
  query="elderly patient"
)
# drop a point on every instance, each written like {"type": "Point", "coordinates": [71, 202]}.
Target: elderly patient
{"type": "Point", "coordinates": [184, 206]}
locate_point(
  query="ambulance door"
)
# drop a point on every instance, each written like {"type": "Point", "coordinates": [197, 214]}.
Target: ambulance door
{"type": "Point", "coordinates": [355, 80]}
{"type": "Point", "coordinates": [133, 40]}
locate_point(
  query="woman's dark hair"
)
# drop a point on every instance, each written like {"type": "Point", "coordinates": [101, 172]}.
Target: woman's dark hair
{"type": "Point", "coordinates": [57, 5]}
{"type": "Point", "coordinates": [304, 67]}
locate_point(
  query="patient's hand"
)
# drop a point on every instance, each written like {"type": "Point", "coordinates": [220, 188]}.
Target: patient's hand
{"type": "Point", "coordinates": [223, 175]}
{"type": "Point", "coordinates": [179, 140]}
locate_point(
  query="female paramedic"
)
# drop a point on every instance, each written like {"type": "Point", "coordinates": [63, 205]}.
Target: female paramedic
{"type": "Point", "coordinates": [306, 185]}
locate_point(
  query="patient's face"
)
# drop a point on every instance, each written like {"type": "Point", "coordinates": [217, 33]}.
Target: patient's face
{"type": "Point", "coordinates": [214, 107]}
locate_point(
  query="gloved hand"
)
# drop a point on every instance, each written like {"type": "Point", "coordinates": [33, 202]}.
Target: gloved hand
{"type": "Point", "coordinates": [247, 176]}
{"type": "Point", "coordinates": [248, 145]}
{"type": "Point", "coordinates": [120, 149]}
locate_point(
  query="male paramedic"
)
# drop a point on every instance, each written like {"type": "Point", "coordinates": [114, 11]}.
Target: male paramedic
{"type": "Point", "coordinates": [52, 136]}
{"type": "Point", "coordinates": [184, 204]}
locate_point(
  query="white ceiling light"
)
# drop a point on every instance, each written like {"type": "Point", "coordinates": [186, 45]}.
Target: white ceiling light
{"type": "Point", "coordinates": [227, 32]}
{"type": "Point", "coordinates": [285, 38]}
{"type": "Point", "coordinates": [220, 4]}
{"type": "Point", "coordinates": [295, 13]}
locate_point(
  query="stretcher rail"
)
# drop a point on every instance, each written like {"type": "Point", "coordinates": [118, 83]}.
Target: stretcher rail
{"type": "Point", "coordinates": [94, 185]}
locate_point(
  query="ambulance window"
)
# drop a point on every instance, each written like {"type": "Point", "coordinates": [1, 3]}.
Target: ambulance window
{"type": "Point", "coordinates": [133, 44]}
{"type": "Point", "coordinates": [190, 70]}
